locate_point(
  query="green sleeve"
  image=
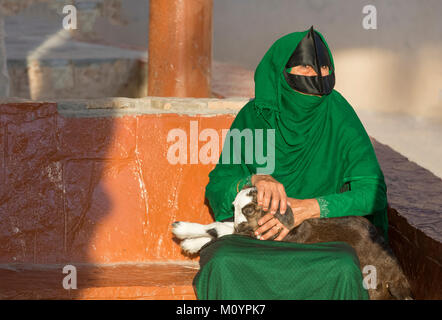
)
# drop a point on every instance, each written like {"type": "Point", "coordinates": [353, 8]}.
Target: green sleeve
{"type": "Point", "coordinates": [366, 197]}
{"type": "Point", "coordinates": [231, 175]}
{"type": "Point", "coordinates": [221, 191]}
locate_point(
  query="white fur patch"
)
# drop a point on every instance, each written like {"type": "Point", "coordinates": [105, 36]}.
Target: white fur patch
{"type": "Point", "coordinates": [242, 199]}
{"type": "Point", "coordinates": [189, 230]}
{"type": "Point", "coordinates": [194, 245]}
{"type": "Point", "coordinates": [222, 228]}
{"type": "Point", "coordinates": [195, 235]}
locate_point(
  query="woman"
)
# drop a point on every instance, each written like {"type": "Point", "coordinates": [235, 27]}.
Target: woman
{"type": "Point", "coordinates": [325, 166]}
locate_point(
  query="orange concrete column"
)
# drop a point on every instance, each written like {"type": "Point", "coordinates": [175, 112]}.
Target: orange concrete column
{"type": "Point", "coordinates": [180, 48]}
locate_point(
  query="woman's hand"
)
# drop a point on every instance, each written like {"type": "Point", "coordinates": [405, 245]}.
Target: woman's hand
{"type": "Point", "coordinates": [302, 210]}
{"type": "Point", "coordinates": [268, 188]}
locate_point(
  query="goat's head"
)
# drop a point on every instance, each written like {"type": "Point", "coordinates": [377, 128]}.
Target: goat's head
{"type": "Point", "coordinates": [246, 206]}
{"type": "Point", "coordinates": [247, 210]}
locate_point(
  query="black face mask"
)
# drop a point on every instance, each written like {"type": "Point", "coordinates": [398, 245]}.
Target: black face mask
{"type": "Point", "coordinates": [311, 51]}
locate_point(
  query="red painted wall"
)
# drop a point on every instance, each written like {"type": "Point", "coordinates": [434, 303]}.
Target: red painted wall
{"type": "Point", "coordinates": [97, 190]}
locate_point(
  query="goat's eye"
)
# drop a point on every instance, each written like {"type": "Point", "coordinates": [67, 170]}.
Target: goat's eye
{"type": "Point", "coordinates": [248, 210]}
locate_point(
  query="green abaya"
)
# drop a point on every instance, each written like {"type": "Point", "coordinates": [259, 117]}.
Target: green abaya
{"type": "Point", "coordinates": [321, 150]}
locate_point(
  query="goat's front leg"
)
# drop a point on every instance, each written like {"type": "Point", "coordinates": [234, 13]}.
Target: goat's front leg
{"type": "Point", "coordinates": [189, 230]}
{"type": "Point", "coordinates": [193, 245]}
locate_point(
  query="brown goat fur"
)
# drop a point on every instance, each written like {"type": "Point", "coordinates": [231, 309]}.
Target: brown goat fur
{"type": "Point", "coordinates": [357, 231]}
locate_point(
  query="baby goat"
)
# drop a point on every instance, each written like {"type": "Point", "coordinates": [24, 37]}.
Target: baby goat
{"type": "Point", "coordinates": [358, 232]}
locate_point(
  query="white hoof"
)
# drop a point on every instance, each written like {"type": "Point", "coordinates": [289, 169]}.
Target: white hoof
{"type": "Point", "coordinates": [188, 230]}
{"type": "Point", "coordinates": [194, 245]}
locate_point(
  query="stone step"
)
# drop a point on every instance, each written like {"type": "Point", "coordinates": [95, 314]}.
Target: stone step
{"type": "Point", "coordinates": [151, 280]}
{"type": "Point", "coordinates": [61, 67]}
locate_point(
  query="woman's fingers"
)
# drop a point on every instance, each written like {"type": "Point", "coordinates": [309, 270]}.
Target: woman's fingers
{"type": "Point", "coordinates": [283, 199]}
{"type": "Point", "coordinates": [266, 200]}
{"type": "Point", "coordinates": [266, 218]}
{"type": "Point", "coordinates": [267, 222]}
{"type": "Point", "coordinates": [270, 227]}
{"type": "Point", "coordinates": [275, 202]}
{"type": "Point", "coordinates": [271, 194]}
{"type": "Point", "coordinates": [268, 188]}
{"type": "Point", "coordinates": [260, 196]}
{"type": "Point", "coordinates": [272, 231]}
{"type": "Point", "coordinates": [283, 233]}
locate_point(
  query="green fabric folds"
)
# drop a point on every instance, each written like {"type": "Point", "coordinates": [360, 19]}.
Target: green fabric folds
{"type": "Point", "coordinates": [238, 267]}
{"type": "Point", "coordinates": [319, 145]}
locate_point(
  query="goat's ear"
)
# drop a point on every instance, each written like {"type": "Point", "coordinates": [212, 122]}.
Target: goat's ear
{"type": "Point", "coordinates": [253, 190]}
{"type": "Point", "coordinates": [254, 194]}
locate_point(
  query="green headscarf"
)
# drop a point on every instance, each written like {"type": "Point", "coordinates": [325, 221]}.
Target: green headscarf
{"type": "Point", "coordinates": [320, 143]}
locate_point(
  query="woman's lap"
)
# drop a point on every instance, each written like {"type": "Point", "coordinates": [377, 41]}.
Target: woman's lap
{"type": "Point", "coordinates": [239, 267]}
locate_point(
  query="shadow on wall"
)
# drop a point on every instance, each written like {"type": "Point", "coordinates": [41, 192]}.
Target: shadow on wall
{"type": "Point", "coordinates": [53, 191]}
